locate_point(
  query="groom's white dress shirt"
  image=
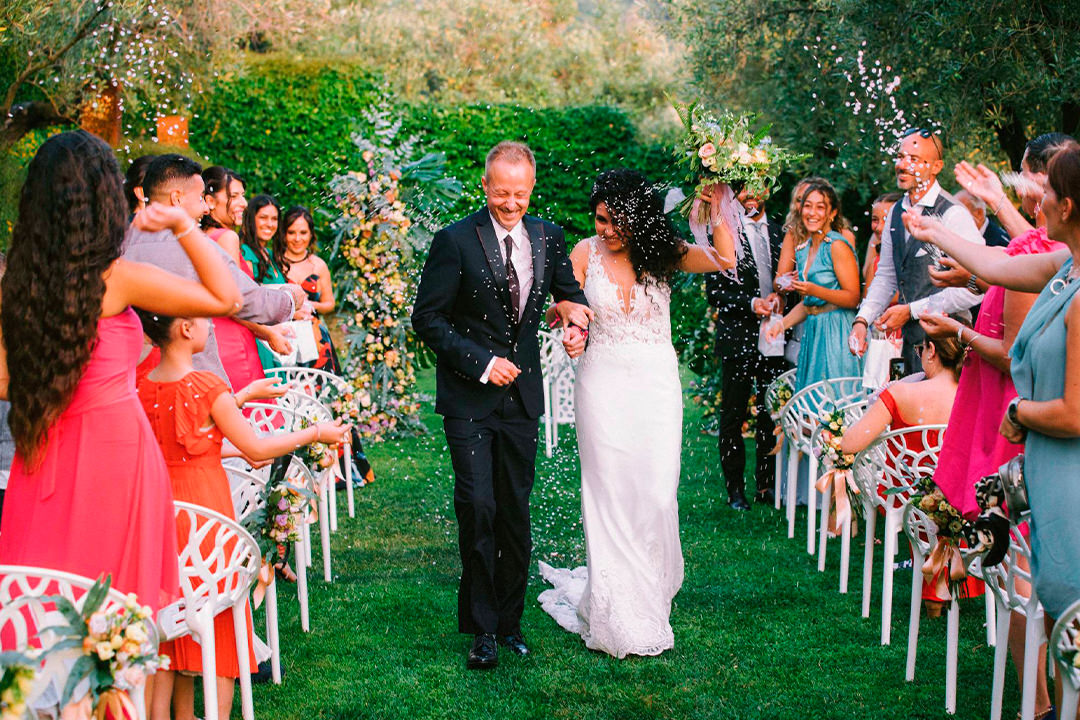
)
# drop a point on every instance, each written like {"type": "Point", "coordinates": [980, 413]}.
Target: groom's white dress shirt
{"type": "Point", "coordinates": [521, 257]}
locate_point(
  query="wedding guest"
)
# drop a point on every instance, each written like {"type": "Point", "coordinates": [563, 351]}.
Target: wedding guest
{"type": "Point", "coordinates": [295, 254]}
{"type": "Point", "coordinates": [904, 263]}
{"type": "Point", "coordinates": [177, 181]}
{"type": "Point", "coordinates": [743, 302]}
{"type": "Point", "coordinates": [993, 234]}
{"type": "Point", "coordinates": [1045, 369]}
{"type": "Point", "coordinates": [907, 404]}
{"type": "Point", "coordinates": [133, 182]}
{"type": "Point", "coordinates": [7, 442]}
{"type": "Point", "coordinates": [89, 491]}
{"type": "Point", "coordinates": [827, 279]}
{"type": "Point", "coordinates": [259, 236]}
{"type": "Point", "coordinates": [879, 214]}
{"type": "Point", "coordinates": [191, 413]}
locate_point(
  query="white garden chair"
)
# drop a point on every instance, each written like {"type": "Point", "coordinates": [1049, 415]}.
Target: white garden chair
{"type": "Point", "coordinates": [272, 419]}
{"type": "Point", "coordinates": [1001, 580]}
{"type": "Point", "coordinates": [558, 384]}
{"type": "Point", "coordinates": [922, 533]}
{"type": "Point", "coordinates": [1063, 640]}
{"type": "Point", "coordinates": [315, 411]}
{"type": "Point", "coordinates": [25, 610]}
{"type": "Point", "coordinates": [852, 412]}
{"type": "Point", "coordinates": [213, 580]}
{"type": "Point", "coordinates": [887, 472]}
{"type": "Point", "coordinates": [788, 378]}
{"type": "Point", "coordinates": [801, 417]}
{"type": "Point", "coordinates": [324, 387]}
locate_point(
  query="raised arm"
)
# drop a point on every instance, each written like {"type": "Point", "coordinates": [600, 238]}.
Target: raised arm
{"type": "Point", "coordinates": [701, 260]}
{"type": "Point", "coordinates": [1023, 273]}
{"type": "Point", "coordinates": [984, 184]}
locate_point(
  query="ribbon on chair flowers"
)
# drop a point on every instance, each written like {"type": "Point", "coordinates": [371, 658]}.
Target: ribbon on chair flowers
{"type": "Point", "coordinates": [944, 568]}
{"type": "Point", "coordinates": [840, 479]}
{"type": "Point", "coordinates": [266, 576]}
{"type": "Point", "coordinates": [114, 704]}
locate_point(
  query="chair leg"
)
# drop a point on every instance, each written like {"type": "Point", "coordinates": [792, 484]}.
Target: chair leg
{"type": "Point", "coordinates": [991, 618]}
{"type": "Point", "coordinates": [891, 522]}
{"type": "Point", "coordinates": [868, 557]}
{"type": "Point", "coordinates": [324, 530]}
{"type": "Point", "coordinates": [331, 487]}
{"type": "Point", "coordinates": [779, 472]}
{"type": "Point", "coordinates": [1068, 700]}
{"type": "Point", "coordinates": [301, 584]}
{"type": "Point", "coordinates": [823, 534]}
{"type": "Point", "coordinates": [349, 494]}
{"type": "Point", "coordinates": [138, 699]}
{"type": "Point", "coordinates": [916, 615]}
{"type": "Point", "coordinates": [1001, 652]}
{"type": "Point", "coordinates": [1033, 636]}
{"type": "Point", "coordinates": [792, 486]}
{"type": "Point", "coordinates": [240, 615]}
{"type": "Point", "coordinates": [307, 544]}
{"type": "Point", "coordinates": [272, 631]}
{"type": "Point", "coordinates": [811, 503]}
{"type": "Point", "coordinates": [209, 663]}
{"type": "Point", "coordinates": [952, 650]}
{"type": "Point", "coordinates": [845, 555]}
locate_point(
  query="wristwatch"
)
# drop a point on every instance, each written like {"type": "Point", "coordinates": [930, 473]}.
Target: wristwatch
{"type": "Point", "coordinates": [1013, 413]}
{"type": "Point", "coordinates": [973, 285]}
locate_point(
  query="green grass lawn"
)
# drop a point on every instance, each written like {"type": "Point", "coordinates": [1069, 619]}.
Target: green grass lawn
{"type": "Point", "coordinates": [759, 633]}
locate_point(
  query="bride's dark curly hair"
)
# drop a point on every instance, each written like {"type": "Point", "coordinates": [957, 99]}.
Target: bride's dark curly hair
{"type": "Point", "coordinates": [72, 218]}
{"type": "Point", "coordinates": [637, 212]}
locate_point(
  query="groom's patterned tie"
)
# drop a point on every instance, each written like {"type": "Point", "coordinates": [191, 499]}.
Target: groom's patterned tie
{"type": "Point", "coordinates": [511, 275]}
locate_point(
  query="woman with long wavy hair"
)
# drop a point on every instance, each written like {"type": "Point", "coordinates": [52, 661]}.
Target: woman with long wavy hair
{"type": "Point", "coordinates": [89, 492]}
{"type": "Point", "coordinates": [628, 407]}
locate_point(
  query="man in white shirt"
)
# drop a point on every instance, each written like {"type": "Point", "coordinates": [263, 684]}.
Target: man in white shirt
{"type": "Point", "coordinates": [904, 263]}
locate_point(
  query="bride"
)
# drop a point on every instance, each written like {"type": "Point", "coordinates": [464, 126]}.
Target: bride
{"type": "Point", "coordinates": [628, 406]}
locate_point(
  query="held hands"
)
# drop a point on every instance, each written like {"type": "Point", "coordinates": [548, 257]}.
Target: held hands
{"type": "Point", "coordinates": [981, 181]}
{"type": "Point", "coordinates": [939, 326]}
{"type": "Point", "coordinates": [954, 275]}
{"type": "Point", "coordinates": [504, 372]}
{"type": "Point", "coordinates": [158, 216]}
{"type": "Point", "coordinates": [894, 318]}
{"type": "Point", "coordinates": [572, 313]}
{"type": "Point", "coordinates": [573, 341]}
{"type": "Point", "coordinates": [332, 433]}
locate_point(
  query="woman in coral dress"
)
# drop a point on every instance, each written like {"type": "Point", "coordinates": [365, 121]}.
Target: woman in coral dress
{"type": "Point", "coordinates": [88, 491]}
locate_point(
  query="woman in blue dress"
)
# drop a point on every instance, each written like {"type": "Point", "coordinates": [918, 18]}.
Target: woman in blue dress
{"type": "Point", "coordinates": [827, 278]}
{"type": "Point", "coordinates": [1046, 372]}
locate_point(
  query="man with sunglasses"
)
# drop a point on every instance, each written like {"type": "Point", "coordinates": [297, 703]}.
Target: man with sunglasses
{"type": "Point", "coordinates": [905, 262]}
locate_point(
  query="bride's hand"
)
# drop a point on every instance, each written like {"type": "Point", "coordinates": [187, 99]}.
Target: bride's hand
{"type": "Point", "coordinates": [573, 341]}
{"type": "Point", "coordinates": [571, 313]}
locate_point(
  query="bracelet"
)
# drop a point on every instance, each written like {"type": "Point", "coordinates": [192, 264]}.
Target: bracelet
{"type": "Point", "coordinates": [191, 227]}
{"type": "Point", "coordinates": [997, 205]}
{"type": "Point", "coordinates": [858, 321]}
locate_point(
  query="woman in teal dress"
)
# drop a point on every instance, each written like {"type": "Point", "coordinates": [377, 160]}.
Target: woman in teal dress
{"type": "Point", "coordinates": [827, 278]}
{"type": "Point", "coordinates": [258, 231]}
{"type": "Point", "coordinates": [1045, 353]}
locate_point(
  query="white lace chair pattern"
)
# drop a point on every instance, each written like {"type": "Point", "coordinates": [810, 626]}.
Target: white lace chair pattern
{"type": "Point", "coordinates": [314, 411]}
{"type": "Point", "coordinates": [1002, 581]}
{"type": "Point", "coordinates": [269, 419]}
{"type": "Point", "coordinates": [219, 563]}
{"type": "Point", "coordinates": [922, 533]}
{"type": "Point", "coordinates": [787, 377]}
{"type": "Point", "coordinates": [25, 610]}
{"type": "Point", "coordinates": [1064, 643]}
{"type": "Point", "coordinates": [800, 418]}
{"type": "Point", "coordinates": [558, 384]}
{"type": "Point", "coordinates": [852, 412]}
{"type": "Point", "coordinates": [324, 387]}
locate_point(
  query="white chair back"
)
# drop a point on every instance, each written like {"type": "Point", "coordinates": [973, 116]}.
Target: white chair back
{"type": "Point", "coordinates": [1064, 645]}
{"type": "Point", "coordinates": [890, 468]}
{"type": "Point", "coordinates": [319, 384]}
{"type": "Point", "coordinates": [802, 414]}
{"type": "Point", "coordinates": [788, 378]}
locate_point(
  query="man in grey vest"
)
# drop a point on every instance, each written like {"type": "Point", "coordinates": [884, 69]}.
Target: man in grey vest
{"type": "Point", "coordinates": [904, 264]}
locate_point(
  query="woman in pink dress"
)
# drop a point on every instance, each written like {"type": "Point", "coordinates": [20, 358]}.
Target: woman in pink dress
{"type": "Point", "coordinates": [89, 492]}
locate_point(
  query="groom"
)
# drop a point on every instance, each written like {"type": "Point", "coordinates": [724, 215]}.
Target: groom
{"type": "Point", "coordinates": [479, 305]}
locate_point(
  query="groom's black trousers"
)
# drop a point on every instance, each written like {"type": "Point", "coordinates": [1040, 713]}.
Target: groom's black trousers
{"type": "Point", "coordinates": [494, 462]}
{"type": "Point", "coordinates": [742, 373]}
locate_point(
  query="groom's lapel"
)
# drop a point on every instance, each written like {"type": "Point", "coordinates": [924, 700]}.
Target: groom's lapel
{"type": "Point", "coordinates": [495, 260]}
{"type": "Point", "coordinates": [538, 240]}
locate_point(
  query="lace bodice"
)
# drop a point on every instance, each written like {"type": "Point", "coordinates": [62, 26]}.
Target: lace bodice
{"type": "Point", "coordinates": [648, 319]}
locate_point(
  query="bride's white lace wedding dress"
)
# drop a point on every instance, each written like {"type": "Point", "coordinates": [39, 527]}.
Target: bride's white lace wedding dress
{"type": "Point", "coordinates": [628, 406]}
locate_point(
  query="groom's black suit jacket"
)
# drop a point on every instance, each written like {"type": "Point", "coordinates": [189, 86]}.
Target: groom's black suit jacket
{"type": "Point", "coordinates": [463, 313]}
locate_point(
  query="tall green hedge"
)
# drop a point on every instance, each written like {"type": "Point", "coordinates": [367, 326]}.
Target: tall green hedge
{"type": "Point", "coordinates": [286, 125]}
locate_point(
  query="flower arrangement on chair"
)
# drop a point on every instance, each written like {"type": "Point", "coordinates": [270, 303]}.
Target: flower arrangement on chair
{"type": "Point", "coordinates": [944, 567]}
{"type": "Point", "coordinates": [278, 522]}
{"type": "Point", "coordinates": [839, 476]}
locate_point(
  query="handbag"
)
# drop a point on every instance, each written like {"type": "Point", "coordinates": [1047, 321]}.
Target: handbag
{"type": "Point", "coordinates": [1004, 491]}
{"type": "Point", "coordinates": [881, 350]}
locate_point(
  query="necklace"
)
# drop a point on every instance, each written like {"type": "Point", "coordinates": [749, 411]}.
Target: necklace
{"type": "Point", "coordinates": [1059, 284]}
{"type": "Point", "coordinates": [296, 261]}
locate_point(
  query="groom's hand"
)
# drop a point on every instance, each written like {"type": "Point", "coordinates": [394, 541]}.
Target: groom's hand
{"type": "Point", "coordinates": [573, 341]}
{"type": "Point", "coordinates": [572, 313]}
{"type": "Point", "coordinates": [503, 372]}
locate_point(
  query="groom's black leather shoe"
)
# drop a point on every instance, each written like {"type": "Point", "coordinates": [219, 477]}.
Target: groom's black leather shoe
{"type": "Point", "coordinates": [765, 496]}
{"type": "Point", "coordinates": [737, 501]}
{"type": "Point", "coordinates": [484, 654]}
{"type": "Point", "coordinates": [515, 643]}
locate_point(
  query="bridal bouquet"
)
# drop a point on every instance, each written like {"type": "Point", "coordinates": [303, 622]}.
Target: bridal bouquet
{"type": "Point", "coordinates": [118, 648]}
{"type": "Point", "coordinates": [839, 476]}
{"type": "Point", "coordinates": [726, 149]}
{"type": "Point", "coordinates": [944, 567]}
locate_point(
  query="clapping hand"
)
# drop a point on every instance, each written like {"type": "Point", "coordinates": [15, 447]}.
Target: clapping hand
{"type": "Point", "coordinates": [981, 181]}
{"type": "Point", "coordinates": [954, 275]}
